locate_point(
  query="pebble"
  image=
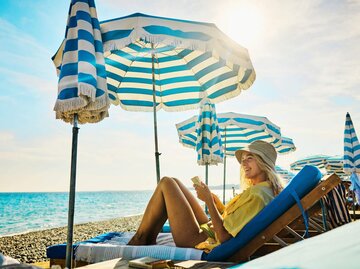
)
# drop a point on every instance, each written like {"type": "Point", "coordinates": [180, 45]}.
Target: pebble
{"type": "Point", "coordinates": [31, 247]}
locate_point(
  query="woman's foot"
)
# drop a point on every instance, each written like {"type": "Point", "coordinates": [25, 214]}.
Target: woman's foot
{"type": "Point", "coordinates": [137, 240]}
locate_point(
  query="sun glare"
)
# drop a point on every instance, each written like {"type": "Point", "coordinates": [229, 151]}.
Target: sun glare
{"type": "Point", "coordinates": [244, 24]}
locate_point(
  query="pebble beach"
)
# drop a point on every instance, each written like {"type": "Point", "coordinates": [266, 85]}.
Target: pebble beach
{"type": "Point", "coordinates": [31, 247]}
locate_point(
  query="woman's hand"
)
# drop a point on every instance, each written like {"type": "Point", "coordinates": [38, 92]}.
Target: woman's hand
{"type": "Point", "coordinates": [203, 192]}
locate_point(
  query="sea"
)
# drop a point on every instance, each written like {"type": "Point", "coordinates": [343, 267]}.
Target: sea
{"type": "Point", "coordinates": [24, 212]}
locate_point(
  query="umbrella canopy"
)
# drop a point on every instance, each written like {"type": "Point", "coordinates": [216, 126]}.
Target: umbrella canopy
{"type": "Point", "coordinates": [155, 62]}
{"type": "Point", "coordinates": [285, 174]}
{"type": "Point", "coordinates": [335, 165]}
{"type": "Point", "coordinates": [237, 131]}
{"type": "Point", "coordinates": [352, 155]}
{"type": "Point", "coordinates": [316, 160]}
{"type": "Point", "coordinates": [192, 60]}
{"type": "Point", "coordinates": [82, 90]}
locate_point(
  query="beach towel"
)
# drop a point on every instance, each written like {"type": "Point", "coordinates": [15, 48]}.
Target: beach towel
{"type": "Point", "coordinates": [116, 248]}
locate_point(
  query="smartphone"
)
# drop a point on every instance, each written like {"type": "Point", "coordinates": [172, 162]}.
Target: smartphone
{"type": "Point", "coordinates": [196, 180]}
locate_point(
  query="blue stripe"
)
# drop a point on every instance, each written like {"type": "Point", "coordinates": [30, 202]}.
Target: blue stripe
{"type": "Point", "coordinates": [85, 56]}
{"type": "Point", "coordinates": [176, 103]}
{"type": "Point", "coordinates": [223, 91]}
{"type": "Point", "coordinates": [219, 79]}
{"type": "Point", "coordinates": [115, 35]}
{"type": "Point", "coordinates": [86, 78]}
{"type": "Point", "coordinates": [138, 91]}
{"type": "Point", "coordinates": [246, 76]}
{"type": "Point", "coordinates": [112, 88]}
{"type": "Point", "coordinates": [115, 64]}
{"type": "Point", "coordinates": [162, 30]}
{"type": "Point", "coordinates": [85, 35]}
{"type": "Point", "coordinates": [181, 90]}
{"type": "Point", "coordinates": [187, 126]}
{"type": "Point", "coordinates": [98, 46]}
{"type": "Point", "coordinates": [68, 70]}
{"type": "Point", "coordinates": [210, 69]}
{"type": "Point", "coordinates": [137, 103]}
{"type": "Point", "coordinates": [114, 76]}
{"type": "Point", "coordinates": [73, 92]}
{"type": "Point", "coordinates": [71, 45]}
{"type": "Point", "coordinates": [199, 59]}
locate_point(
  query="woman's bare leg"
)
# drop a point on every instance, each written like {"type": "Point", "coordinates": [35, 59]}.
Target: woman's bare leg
{"type": "Point", "coordinates": [196, 207]}
{"type": "Point", "coordinates": [171, 200]}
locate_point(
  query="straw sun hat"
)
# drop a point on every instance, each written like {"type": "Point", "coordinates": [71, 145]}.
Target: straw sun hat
{"type": "Point", "coordinates": [265, 150]}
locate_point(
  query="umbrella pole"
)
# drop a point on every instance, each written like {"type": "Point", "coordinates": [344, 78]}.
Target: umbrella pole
{"type": "Point", "coordinates": [224, 169]}
{"type": "Point", "coordinates": [206, 182]}
{"type": "Point", "coordinates": [157, 154]}
{"type": "Point", "coordinates": [69, 248]}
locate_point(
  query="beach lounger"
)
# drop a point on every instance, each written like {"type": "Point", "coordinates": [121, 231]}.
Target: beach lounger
{"type": "Point", "coordinates": [330, 212]}
{"type": "Point", "coordinates": [338, 248]}
{"type": "Point", "coordinates": [276, 216]}
{"type": "Point", "coordinates": [284, 209]}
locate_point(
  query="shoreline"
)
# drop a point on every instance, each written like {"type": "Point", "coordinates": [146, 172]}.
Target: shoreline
{"type": "Point", "coordinates": [30, 247]}
{"type": "Point", "coordinates": [49, 228]}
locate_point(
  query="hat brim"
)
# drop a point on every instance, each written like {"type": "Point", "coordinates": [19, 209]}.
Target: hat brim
{"type": "Point", "coordinates": [240, 152]}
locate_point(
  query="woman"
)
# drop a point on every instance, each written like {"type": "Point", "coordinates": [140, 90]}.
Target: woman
{"type": "Point", "coordinates": [189, 224]}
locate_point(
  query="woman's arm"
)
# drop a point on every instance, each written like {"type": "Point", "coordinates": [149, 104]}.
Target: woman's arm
{"type": "Point", "coordinates": [219, 205]}
{"type": "Point", "coordinates": [204, 194]}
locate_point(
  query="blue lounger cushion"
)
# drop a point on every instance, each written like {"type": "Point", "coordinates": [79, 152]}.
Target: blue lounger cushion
{"type": "Point", "coordinates": [59, 251]}
{"type": "Point", "coordinates": [301, 184]}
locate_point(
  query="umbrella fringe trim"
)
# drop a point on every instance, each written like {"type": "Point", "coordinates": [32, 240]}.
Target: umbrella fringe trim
{"type": "Point", "coordinates": [205, 46]}
{"type": "Point", "coordinates": [91, 113]}
{"type": "Point", "coordinates": [87, 90]}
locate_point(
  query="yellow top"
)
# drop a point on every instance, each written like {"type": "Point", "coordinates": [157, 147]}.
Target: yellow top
{"type": "Point", "coordinates": [240, 210]}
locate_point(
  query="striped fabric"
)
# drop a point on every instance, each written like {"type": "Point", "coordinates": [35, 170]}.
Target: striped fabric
{"type": "Point", "coordinates": [192, 60]}
{"type": "Point", "coordinates": [237, 131]}
{"type": "Point", "coordinates": [80, 64]}
{"type": "Point", "coordinates": [287, 145]}
{"type": "Point", "coordinates": [117, 248]}
{"type": "Point", "coordinates": [336, 211]}
{"type": "Point", "coordinates": [351, 148]}
{"type": "Point", "coordinates": [285, 174]}
{"type": "Point", "coordinates": [208, 143]}
{"type": "Point", "coordinates": [352, 156]}
{"type": "Point", "coordinates": [316, 160]}
{"type": "Point", "coordinates": [336, 165]}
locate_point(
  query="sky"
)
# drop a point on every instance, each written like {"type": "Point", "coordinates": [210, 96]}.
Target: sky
{"type": "Point", "coordinates": [306, 57]}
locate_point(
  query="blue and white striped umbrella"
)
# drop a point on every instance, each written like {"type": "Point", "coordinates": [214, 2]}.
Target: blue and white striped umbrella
{"type": "Point", "coordinates": [352, 155]}
{"type": "Point", "coordinates": [238, 131]}
{"type": "Point", "coordinates": [208, 143]}
{"type": "Point", "coordinates": [316, 160]}
{"type": "Point", "coordinates": [335, 165]}
{"type": "Point", "coordinates": [155, 62]}
{"type": "Point", "coordinates": [285, 174]}
{"type": "Point", "coordinates": [351, 148]}
{"type": "Point", "coordinates": [80, 64]}
{"type": "Point", "coordinates": [82, 90]}
{"type": "Point", "coordinates": [192, 60]}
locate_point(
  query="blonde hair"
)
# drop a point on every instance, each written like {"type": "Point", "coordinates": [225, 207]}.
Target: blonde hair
{"type": "Point", "coordinates": [273, 178]}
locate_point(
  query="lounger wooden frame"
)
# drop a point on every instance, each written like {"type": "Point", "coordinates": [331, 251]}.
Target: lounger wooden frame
{"type": "Point", "coordinates": [325, 186]}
